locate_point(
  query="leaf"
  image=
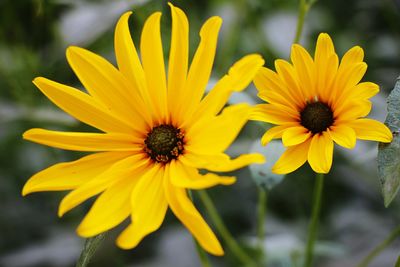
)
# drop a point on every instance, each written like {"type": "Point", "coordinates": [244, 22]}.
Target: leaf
{"type": "Point", "coordinates": [261, 173]}
{"type": "Point", "coordinates": [389, 154]}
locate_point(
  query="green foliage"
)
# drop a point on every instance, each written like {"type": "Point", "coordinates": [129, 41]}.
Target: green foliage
{"type": "Point", "coordinates": [389, 154]}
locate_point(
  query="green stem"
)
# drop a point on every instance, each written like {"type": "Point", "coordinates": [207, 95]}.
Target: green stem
{"type": "Point", "coordinates": [223, 230]}
{"type": "Point", "coordinates": [261, 216]}
{"type": "Point", "coordinates": [375, 252]}
{"type": "Point", "coordinates": [304, 7]}
{"type": "Point", "coordinates": [203, 257]}
{"type": "Point", "coordinates": [205, 262]}
{"type": "Point", "coordinates": [313, 227]}
{"type": "Point", "coordinates": [90, 247]}
{"type": "Point", "coordinates": [397, 262]}
{"type": "Point", "coordinates": [300, 20]}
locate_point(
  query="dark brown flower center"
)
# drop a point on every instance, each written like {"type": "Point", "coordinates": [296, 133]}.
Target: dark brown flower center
{"type": "Point", "coordinates": [316, 117]}
{"type": "Point", "coordinates": [164, 143]}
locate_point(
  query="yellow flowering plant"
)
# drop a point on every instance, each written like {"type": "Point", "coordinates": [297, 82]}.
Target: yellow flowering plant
{"type": "Point", "coordinates": [157, 131]}
{"type": "Point", "coordinates": [160, 138]}
{"type": "Point", "coordinates": [315, 103]}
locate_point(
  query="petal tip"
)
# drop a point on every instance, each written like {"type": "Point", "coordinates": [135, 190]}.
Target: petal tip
{"type": "Point", "coordinates": [123, 244]}
{"type": "Point", "coordinates": [127, 14]}
{"type": "Point", "coordinates": [72, 49]}
{"type": "Point", "coordinates": [84, 231]}
{"type": "Point", "coordinates": [278, 170]}
{"type": "Point", "coordinates": [259, 159]}
{"type": "Point", "coordinates": [61, 209]}
{"type": "Point", "coordinates": [27, 135]}
{"type": "Point", "coordinates": [219, 252]}
{"type": "Point", "coordinates": [26, 190]}
{"type": "Point", "coordinates": [37, 80]}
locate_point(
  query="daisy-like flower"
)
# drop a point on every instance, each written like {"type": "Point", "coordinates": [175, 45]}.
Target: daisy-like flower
{"type": "Point", "coordinates": [316, 103]}
{"type": "Point", "coordinates": [157, 131]}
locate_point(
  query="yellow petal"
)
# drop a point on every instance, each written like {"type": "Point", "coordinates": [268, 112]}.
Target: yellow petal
{"type": "Point", "coordinates": [127, 58]}
{"type": "Point", "coordinates": [326, 65]}
{"type": "Point", "coordinates": [244, 70]}
{"type": "Point", "coordinates": [110, 209]}
{"type": "Point", "coordinates": [295, 135]}
{"type": "Point", "coordinates": [275, 98]}
{"type": "Point", "coordinates": [149, 206]}
{"type": "Point", "coordinates": [201, 66]}
{"type": "Point", "coordinates": [106, 84]}
{"type": "Point", "coordinates": [189, 177]}
{"type": "Point", "coordinates": [217, 134]}
{"type": "Point", "coordinates": [320, 153]}
{"type": "Point", "coordinates": [345, 81]}
{"type": "Point", "coordinates": [324, 48]}
{"type": "Point", "coordinates": [305, 69]}
{"type": "Point", "coordinates": [81, 106]}
{"type": "Point", "coordinates": [185, 211]}
{"type": "Point", "coordinates": [350, 72]}
{"type": "Point", "coordinates": [236, 163]}
{"type": "Point", "coordinates": [85, 141]}
{"type": "Point", "coordinates": [292, 158]}
{"type": "Point", "coordinates": [325, 86]}
{"type": "Point", "coordinates": [368, 129]}
{"type": "Point", "coordinates": [273, 113]}
{"type": "Point", "coordinates": [360, 92]}
{"type": "Point", "coordinates": [70, 175]}
{"type": "Point", "coordinates": [353, 56]}
{"type": "Point", "coordinates": [238, 78]}
{"type": "Point", "coordinates": [153, 65]}
{"type": "Point", "coordinates": [220, 162]}
{"type": "Point", "coordinates": [352, 110]}
{"type": "Point", "coordinates": [123, 168]}
{"type": "Point", "coordinates": [365, 90]}
{"type": "Point", "coordinates": [178, 59]}
{"type": "Point", "coordinates": [343, 135]}
{"type": "Point", "coordinates": [273, 133]}
{"type": "Point", "coordinates": [290, 76]}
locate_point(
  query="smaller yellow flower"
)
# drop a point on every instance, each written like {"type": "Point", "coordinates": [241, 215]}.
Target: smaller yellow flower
{"type": "Point", "coordinates": [316, 103]}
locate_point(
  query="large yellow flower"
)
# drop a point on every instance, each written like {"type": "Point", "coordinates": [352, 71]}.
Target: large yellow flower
{"type": "Point", "coordinates": [317, 103]}
{"type": "Point", "coordinates": [157, 131]}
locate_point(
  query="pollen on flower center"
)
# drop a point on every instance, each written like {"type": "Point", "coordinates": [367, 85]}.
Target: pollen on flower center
{"type": "Point", "coordinates": [316, 117]}
{"type": "Point", "coordinates": [164, 143]}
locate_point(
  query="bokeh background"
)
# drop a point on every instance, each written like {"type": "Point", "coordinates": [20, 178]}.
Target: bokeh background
{"type": "Point", "coordinates": [33, 37]}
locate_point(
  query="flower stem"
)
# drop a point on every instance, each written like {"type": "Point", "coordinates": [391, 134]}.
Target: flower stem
{"type": "Point", "coordinates": [385, 243]}
{"type": "Point", "coordinates": [205, 262]}
{"type": "Point", "coordinates": [90, 247]}
{"type": "Point", "coordinates": [313, 227]}
{"type": "Point", "coordinates": [304, 7]}
{"type": "Point", "coordinates": [397, 262]}
{"type": "Point", "coordinates": [261, 216]}
{"type": "Point", "coordinates": [200, 251]}
{"type": "Point", "coordinates": [223, 230]}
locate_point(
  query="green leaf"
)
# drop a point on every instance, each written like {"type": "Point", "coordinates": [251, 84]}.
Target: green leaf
{"type": "Point", "coordinates": [389, 154]}
{"type": "Point", "coordinates": [261, 173]}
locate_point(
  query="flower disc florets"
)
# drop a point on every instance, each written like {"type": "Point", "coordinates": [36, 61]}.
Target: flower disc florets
{"type": "Point", "coordinates": [164, 143]}
{"type": "Point", "coordinates": [316, 117]}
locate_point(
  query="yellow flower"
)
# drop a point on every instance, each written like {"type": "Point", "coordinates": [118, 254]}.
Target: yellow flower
{"type": "Point", "coordinates": [316, 103]}
{"type": "Point", "coordinates": [157, 131]}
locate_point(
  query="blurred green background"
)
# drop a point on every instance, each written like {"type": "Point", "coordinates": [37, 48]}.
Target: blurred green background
{"type": "Point", "coordinates": [33, 38]}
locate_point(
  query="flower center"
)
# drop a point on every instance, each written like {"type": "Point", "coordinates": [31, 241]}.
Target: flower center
{"type": "Point", "coordinates": [316, 117]}
{"type": "Point", "coordinates": [164, 143]}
